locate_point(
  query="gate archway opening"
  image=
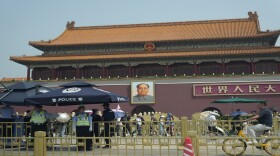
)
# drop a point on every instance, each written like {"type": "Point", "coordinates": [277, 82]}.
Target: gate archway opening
{"type": "Point", "coordinates": [142, 109]}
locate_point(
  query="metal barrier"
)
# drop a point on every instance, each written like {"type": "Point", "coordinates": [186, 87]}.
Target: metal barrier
{"type": "Point", "coordinates": [151, 141]}
{"type": "Point", "coordinates": [151, 138]}
{"type": "Point", "coordinates": [15, 146]}
{"type": "Point", "coordinates": [227, 142]}
{"type": "Point", "coordinates": [128, 146]}
{"type": "Point", "coordinates": [219, 145]}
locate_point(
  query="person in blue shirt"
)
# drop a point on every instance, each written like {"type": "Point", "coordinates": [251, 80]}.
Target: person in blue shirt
{"type": "Point", "coordinates": [82, 126]}
{"type": "Point", "coordinates": [7, 114]}
{"type": "Point", "coordinates": [170, 124]}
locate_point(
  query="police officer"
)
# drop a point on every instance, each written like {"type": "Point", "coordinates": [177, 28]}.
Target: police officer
{"type": "Point", "coordinates": [108, 116]}
{"type": "Point", "coordinates": [38, 119]}
{"type": "Point", "coordinates": [96, 119]}
{"type": "Point", "coordinates": [82, 126]}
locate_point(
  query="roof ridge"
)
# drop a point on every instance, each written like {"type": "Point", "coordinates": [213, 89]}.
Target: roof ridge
{"type": "Point", "coordinates": [48, 41]}
{"type": "Point", "coordinates": [161, 24]}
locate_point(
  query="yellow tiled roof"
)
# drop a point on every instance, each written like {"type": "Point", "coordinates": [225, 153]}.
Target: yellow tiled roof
{"type": "Point", "coordinates": [200, 53]}
{"type": "Point", "coordinates": [194, 30]}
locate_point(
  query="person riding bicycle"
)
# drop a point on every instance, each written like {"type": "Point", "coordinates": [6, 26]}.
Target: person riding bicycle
{"type": "Point", "coordinates": [264, 119]}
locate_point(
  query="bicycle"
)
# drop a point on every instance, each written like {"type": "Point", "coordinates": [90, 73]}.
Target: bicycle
{"type": "Point", "coordinates": [237, 146]}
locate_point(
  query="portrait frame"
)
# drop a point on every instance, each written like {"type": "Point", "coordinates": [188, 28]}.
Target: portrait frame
{"type": "Point", "coordinates": [149, 98]}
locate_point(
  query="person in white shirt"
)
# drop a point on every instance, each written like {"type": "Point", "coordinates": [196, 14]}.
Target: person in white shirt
{"type": "Point", "coordinates": [212, 123]}
{"type": "Point", "coordinates": [7, 114]}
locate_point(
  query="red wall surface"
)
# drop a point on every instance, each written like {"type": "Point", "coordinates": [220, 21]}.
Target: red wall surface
{"type": "Point", "coordinates": [175, 98]}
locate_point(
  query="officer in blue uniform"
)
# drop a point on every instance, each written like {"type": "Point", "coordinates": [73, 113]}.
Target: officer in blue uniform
{"type": "Point", "coordinates": [96, 119]}
{"type": "Point", "coordinates": [82, 126]}
{"type": "Point", "coordinates": [108, 118]}
{"type": "Point", "coordinates": [38, 119]}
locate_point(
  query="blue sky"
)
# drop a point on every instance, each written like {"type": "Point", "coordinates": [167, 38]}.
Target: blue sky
{"type": "Point", "coordinates": [22, 21]}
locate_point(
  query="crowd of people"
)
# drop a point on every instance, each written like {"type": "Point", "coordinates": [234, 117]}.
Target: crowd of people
{"type": "Point", "coordinates": [89, 125]}
{"type": "Point", "coordinates": [84, 124]}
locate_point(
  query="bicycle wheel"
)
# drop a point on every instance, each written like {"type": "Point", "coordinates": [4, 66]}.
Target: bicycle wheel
{"type": "Point", "coordinates": [272, 146]}
{"type": "Point", "coordinates": [234, 146]}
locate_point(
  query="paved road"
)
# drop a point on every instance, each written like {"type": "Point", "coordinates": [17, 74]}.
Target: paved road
{"type": "Point", "coordinates": [128, 151]}
{"type": "Point", "coordinates": [137, 147]}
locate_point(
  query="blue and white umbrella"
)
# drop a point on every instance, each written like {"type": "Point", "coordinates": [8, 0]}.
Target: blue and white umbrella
{"type": "Point", "coordinates": [118, 112]}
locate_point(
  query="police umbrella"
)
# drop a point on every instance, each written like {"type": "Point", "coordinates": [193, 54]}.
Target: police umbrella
{"type": "Point", "coordinates": [76, 93]}
{"type": "Point", "coordinates": [16, 93]}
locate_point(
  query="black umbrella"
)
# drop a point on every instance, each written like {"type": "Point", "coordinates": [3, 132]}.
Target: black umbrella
{"type": "Point", "coordinates": [16, 93]}
{"type": "Point", "coordinates": [76, 93]}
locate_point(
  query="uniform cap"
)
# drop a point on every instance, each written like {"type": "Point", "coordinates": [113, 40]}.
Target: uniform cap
{"type": "Point", "coordinates": [39, 106]}
{"type": "Point", "coordinates": [81, 107]}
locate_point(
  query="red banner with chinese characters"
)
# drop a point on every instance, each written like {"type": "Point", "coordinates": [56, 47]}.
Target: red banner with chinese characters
{"type": "Point", "coordinates": [236, 89]}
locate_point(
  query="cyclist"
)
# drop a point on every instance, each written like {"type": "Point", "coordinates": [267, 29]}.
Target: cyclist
{"type": "Point", "coordinates": [264, 119]}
